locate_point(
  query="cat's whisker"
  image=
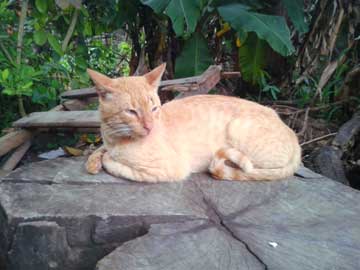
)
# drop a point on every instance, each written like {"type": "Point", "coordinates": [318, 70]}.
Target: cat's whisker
{"type": "Point", "coordinates": [119, 131]}
{"type": "Point", "coordinates": [116, 126]}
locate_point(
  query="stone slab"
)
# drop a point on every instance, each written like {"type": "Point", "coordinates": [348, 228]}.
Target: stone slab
{"type": "Point", "coordinates": [304, 222]}
{"type": "Point", "coordinates": [182, 246]}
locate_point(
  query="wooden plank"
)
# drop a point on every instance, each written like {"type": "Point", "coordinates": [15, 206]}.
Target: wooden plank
{"type": "Point", "coordinates": [80, 93]}
{"type": "Point", "coordinates": [12, 140]}
{"type": "Point", "coordinates": [208, 79]}
{"type": "Point", "coordinates": [15, 157]}
{"type": "Point", "coordinates": [65, 119]}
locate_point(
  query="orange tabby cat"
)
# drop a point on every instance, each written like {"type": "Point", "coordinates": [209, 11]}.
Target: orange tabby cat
{"type": "Point", "coordinates": [234, 139]}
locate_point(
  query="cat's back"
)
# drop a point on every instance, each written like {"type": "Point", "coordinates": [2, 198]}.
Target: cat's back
{"type": "Point", "coordinates": [207, 104]}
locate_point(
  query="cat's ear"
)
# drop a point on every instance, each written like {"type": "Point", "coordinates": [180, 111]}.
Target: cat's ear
{"type": "Point", "coordinates": [154, 77]}
{"type": "Point", "coordinates": [102, 83]}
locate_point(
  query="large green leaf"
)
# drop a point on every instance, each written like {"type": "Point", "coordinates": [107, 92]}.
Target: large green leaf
{"type": "Point", "coordinates": [295, 10]}
{"type": "Point", "coordinates": [273, 29]}
{"type": "Point", "coordinates": [195, 57]}
{"type": "Point", "coordinates": [183, 13]}
{"type": "Point", "coordinates": [157, 5]}
{"type": "Point", "coordinates": [252, 59]}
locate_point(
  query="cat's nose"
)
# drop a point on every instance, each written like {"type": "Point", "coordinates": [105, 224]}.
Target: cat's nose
{"type": "Point", "coordinates": [148, 126]}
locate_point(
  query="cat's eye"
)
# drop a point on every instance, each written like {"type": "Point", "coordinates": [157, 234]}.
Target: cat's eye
{"type": "Point", "coordinates": [155, 108]}
{"type": "Point", "coordinates": [132, 112]}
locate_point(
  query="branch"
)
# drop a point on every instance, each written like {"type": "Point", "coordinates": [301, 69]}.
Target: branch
{"type": "Point", "coordinates": [7, 54]}
{"type": "Point", "coordinates": [24, 7]}
{"type": "Point", "coordinates": [306, 118]}
{"type": "Point", "coordinates": [319, 138]}
{"type": "Point", "coordinates": [70, 30]}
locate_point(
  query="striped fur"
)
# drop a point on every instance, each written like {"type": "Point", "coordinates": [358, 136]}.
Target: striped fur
{"type": "Point", "coordinates": [234, 139]}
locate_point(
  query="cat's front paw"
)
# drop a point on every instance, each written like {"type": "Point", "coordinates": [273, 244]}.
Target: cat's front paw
{"type": "Point", "coordinates": [93, 164]}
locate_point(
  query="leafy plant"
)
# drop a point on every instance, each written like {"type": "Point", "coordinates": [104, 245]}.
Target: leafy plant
{"type": "Point", "coordinates": [184, 14]}
{"type": "Point", "coordinates": [252, 59]}
{"type": "Point", "coordinates": [242, 19]}
{"type": "Point", "coordinates": [194, 58]}
{"type": "Point", "coordinates": [19, 80]}
{"type": "Point", "coordinates": [62, 38]}
{"type": "Point", "coordinates": [271, 28]}
{"type": "Point", "coordinates": [295, 10]}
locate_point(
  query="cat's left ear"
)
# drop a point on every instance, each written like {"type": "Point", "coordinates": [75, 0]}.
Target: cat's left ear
{"type": "Point", "coordinates": [154, 77]}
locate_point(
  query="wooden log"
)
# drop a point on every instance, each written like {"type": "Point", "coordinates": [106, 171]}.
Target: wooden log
{"type": "Point", "coordinates": [230, 74]}
{"type": "Point", "coordinates": [63, 119]}
{"type": "Point", "coordinates": [22, 140]}
{"type": "Point", "coordinates": [15, 157]}
{"type": "Point", "coordinates": [12, 140]}
{"type": "Point", "coordinates": [74, 105]}
{"type": "Point", "coordinates": [204, 83]}
{"type": "Point", "coordinates": [80, 93]}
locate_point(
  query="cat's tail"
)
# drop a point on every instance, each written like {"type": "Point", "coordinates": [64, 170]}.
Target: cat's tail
{"type": "Point", "coordinates": [220, 170]}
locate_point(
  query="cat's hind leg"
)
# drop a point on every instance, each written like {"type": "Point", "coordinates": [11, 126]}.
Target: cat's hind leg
{"type": "Point", "coordinates": [230, 164]}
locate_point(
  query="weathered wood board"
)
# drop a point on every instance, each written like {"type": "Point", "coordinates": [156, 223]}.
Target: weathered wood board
{"type": "Point", "coordinates": [204, 82]}
{"type": "Point", "coordinates": [66, 119]}
{"type": "Point", "coordinates": [12, 140]}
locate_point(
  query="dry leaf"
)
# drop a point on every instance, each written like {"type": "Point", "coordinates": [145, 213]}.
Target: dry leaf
{"type": "Point", "coordinates": [73, 151]}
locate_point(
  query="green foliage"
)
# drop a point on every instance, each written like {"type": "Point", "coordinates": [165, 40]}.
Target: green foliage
{"type": "Point", "coordinates": [19, 80]}
{"type": "Point", "coordinates": [40, 37]}
{"type": "Point", "coordinates": [64, 37]}
{"type": "Point", "coordinates": [194, 58]}
{"type": "Point", "coordinates": [295, 10]}
{"type": "Point", "coordinates": [243, 17]}
{"type": "Point", "coordinates": [105, 59]}
{"type": "Point", "coordinates": [272, 90]}
{"type": "Point", "coordinates": [41, 6]}
{"type": "Point", "coordinates": [273, 29]}
{"type": "Point", "coordinates": [46, 68]}
{"type": "Point", "coordinates": [55, 45]}
{"type": "Point", "coordinates": [184, 14]}
{"type": "Point", "coordinates": [252, 59]}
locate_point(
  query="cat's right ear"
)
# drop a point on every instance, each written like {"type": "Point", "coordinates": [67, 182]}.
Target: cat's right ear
{"type": "Point", "coordinates": [102, 84]}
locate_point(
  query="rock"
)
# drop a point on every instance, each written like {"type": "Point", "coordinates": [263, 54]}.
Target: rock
{"type": "Point", "coordinates": [328, 162]}
{"type": "Point", "coordinates": [73, 220]}
{"type": "Point", "coordinates": [182, 246]}
{"type": "Point", "coordinates": [345, 138]}
{"type": "Point", "coordinates": [42, 243]}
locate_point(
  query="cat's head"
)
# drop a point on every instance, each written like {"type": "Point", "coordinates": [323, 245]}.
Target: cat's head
{"type": "Point", "coordinates": [128, 105]}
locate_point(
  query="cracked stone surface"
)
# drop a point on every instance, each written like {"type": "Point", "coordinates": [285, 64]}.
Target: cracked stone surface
{"type": "Point", "coordinates": [53, 215]}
